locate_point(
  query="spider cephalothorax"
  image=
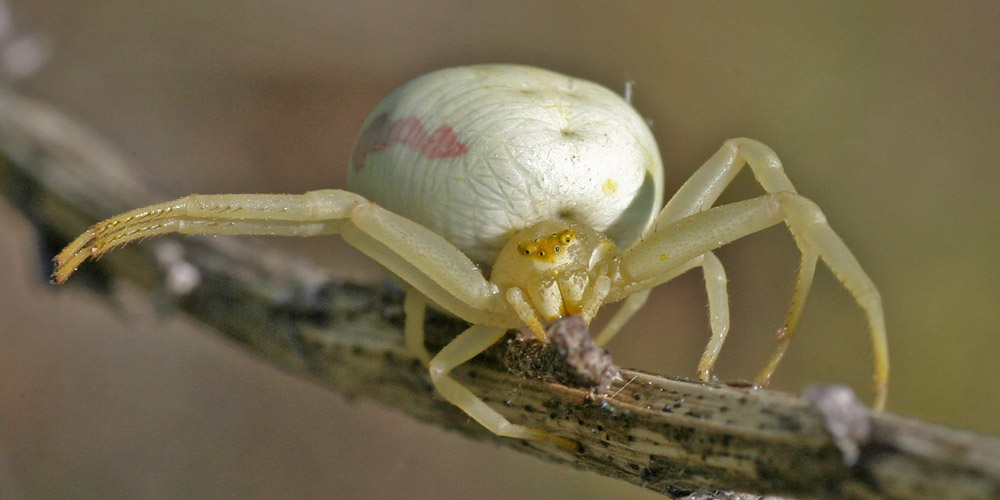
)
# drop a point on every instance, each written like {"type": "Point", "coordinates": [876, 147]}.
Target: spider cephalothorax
{"type": "Point", "coordinates": [553, 269]}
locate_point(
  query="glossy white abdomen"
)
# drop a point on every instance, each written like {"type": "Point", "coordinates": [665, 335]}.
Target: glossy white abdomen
{"type": "Point", "coordinates": [477, 153]}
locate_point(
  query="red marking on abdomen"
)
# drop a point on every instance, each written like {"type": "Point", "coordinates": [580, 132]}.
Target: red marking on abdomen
{"type": "Point", "coordinates": [410, 132]}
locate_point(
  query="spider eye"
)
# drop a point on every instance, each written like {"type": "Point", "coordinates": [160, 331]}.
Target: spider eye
{"type": "Point", "coordinates": [557, 249]}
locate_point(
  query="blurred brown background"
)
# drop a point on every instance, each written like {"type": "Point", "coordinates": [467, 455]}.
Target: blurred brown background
{"type": "Point", "coordinates": [886, 114]}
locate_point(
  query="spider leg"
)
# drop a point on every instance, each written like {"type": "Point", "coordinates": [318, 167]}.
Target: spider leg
{"type": "Point", "coordinates": [718, 312]}
{"type": "Point", "coordinates": [705, 186]}
{"type": "Point", "coordinates": [670, 247]}
{"type": "Point", "coordinates": [718, 306]}
{"type": "Point", "coordinates": [284, 215]}
{"type": "Point", "coordinates": [803, 282]}
{"type": "Point", "coordinates": [468, 344]}
{"type": "Point", "coordinates": [629, 307]}
{"type": "Point", "coordinates": [699, 193]}
{"type": "Point", "coordinates": [425, 260]}
{"type": "Point", "coordinates": [415, 309]}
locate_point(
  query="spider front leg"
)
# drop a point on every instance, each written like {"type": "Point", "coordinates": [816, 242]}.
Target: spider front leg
{"type": "Point", "coordinates": [669, 247]}
{"type": "Point", "coordinates": [420, 257]}
{"type": "Point", "coordinates": [415, 309]}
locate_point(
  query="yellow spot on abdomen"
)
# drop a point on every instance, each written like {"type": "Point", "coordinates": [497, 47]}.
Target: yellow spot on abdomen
{"type": "Point", "coordinates": [664, 256]}
{"type": "Point", "coordinates": [609, 187]}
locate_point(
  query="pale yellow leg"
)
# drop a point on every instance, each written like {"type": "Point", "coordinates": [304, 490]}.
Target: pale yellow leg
{"type": "Point", "coordinates": [718, 306]}
{"type": "Point", "coordinates": [629, 307]}
{"type": "Point", "coordinates": [467, 345]}
{"type": "Point", "coordinates": [687, 238]}
{"type": "Point", "coordinates": [415, 308]}
{"type": "Point", "coordinates": [420, 257]}
{"type": "Point", "coordinates": [593, 299]}
{"type": "Point", "coordinates": [816, 237]}
{"type": "Point", "coordinates": [701, 191]}
{"type": "Point", "coordinates": [704, 187]}
{"type": "Point", "coordinates": [807, 268]}
{"type": "Point", "coordinates": [266, 214]}
{"type": "Point", "coordinates": [718, 312]}
{"type": "Point", "coordinates": [525, 311]}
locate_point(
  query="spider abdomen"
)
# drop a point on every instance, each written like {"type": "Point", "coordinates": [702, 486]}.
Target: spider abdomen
{"type": "Point", "coordinates": [477, 153]}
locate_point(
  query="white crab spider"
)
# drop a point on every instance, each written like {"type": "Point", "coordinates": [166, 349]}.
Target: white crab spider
{"type": "Point", "coordinates": [536, 180]}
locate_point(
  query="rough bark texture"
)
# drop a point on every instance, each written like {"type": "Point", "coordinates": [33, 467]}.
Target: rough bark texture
{"type": "Point", "coordinates": [681, 438]}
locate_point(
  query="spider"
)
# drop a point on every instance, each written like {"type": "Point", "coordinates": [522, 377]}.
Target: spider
{"type": "Point", "coordinates": [511, 196]}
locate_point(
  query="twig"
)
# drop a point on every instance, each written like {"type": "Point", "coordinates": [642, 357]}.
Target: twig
{"type": "Point", "coordinates": [673, 436]}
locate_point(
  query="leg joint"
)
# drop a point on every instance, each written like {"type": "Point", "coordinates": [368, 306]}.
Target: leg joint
{"type": "Point", "coordinates": [798, 209]}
